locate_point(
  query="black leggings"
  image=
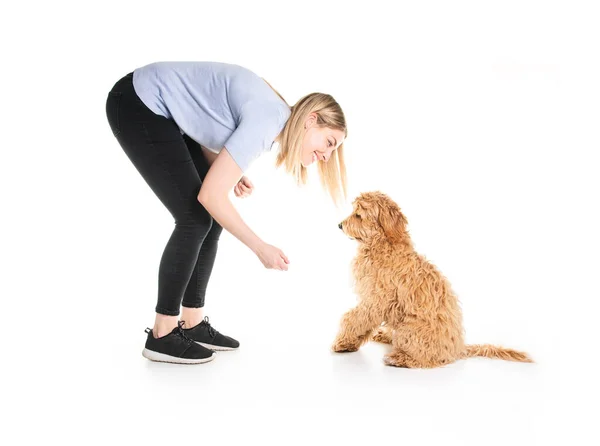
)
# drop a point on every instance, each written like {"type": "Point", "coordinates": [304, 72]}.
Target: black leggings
{"type": "Point", "coordinates": [174, 166]}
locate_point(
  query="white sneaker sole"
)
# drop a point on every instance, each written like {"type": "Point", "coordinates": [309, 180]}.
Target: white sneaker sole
{"type": "Point", "coordinates": [161, 357]}
{"type": "Point", "coordinates": [218, 348]}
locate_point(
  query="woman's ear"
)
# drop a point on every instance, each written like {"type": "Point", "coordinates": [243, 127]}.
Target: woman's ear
{"type": "Point", "coordinates": [311, 120]}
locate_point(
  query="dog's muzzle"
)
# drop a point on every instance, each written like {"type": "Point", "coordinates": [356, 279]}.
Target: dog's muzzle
{"type": "Point", "coordinates": [340, 226]}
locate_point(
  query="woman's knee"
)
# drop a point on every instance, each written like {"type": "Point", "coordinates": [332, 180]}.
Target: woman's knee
{"type": "Point", "coordinates": [200, 223]}
{"type": "Point", "coordinates": [215, 231]}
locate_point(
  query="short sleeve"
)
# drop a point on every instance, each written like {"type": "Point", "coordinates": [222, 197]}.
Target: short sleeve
{"type": "Point", "coordinates": [257, 128]}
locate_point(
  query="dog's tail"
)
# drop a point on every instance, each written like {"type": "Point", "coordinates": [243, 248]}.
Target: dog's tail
{"type": "Point", "coordinates": [492, 351]}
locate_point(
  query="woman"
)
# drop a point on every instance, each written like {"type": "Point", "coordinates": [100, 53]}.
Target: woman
{"type": "Point", "coordinates": [192, 129]}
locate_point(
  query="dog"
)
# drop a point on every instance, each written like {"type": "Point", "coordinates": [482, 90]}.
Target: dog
{"type": "Point", "coordinates": [403, 299]}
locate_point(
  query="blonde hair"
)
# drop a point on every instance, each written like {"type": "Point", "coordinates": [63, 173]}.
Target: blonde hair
{"type": "Point", "coordinates": [329, 114]}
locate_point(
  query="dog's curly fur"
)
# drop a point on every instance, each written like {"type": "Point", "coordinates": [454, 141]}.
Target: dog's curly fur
{"type": "Point", "coordinates": [403, 299]}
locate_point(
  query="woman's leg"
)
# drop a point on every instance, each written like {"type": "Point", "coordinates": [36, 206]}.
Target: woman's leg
{"type": "Point", "coordinates": [157, 149]}
{"type": "Point", "coordinates": [198, 329]}
{"type": "Point", "coordinates": [192, 311]}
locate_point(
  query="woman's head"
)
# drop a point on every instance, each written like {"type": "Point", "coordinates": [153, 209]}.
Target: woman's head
{"type": "Point", "coordinates": [315, 133]}
{"type": "Point", "coordinates": [319, 141]}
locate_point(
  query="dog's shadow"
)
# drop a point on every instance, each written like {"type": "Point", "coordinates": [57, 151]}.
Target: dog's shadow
{"type": "Point", "coordinates": [369, 360]}
{"type": "Point", "coordinates": [369, 357]}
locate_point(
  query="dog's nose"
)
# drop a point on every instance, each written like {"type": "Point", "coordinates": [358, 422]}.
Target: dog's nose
{"type": "Point", "coordinates": [340, 226]}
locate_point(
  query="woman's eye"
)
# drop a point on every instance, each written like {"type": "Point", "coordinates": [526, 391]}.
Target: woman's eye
{"type": "Point", "coordinates": [329, 144]}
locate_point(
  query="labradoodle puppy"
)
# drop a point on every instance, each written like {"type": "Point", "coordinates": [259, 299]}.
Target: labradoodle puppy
{"type": "Point", "coordinates": [403, 299]}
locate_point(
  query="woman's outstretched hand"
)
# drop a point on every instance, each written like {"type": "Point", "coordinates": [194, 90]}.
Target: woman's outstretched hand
{"type": "Point", "coordinates": [243, 188]}
{"type": "Point", "coordinates": [272, 257]}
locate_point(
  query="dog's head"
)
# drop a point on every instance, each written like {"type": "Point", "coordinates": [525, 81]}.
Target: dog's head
{"type": "Point", "coordinates": [375, 215]}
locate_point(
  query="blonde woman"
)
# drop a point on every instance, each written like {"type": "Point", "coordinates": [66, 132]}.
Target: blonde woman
{"type": "Point", "coordinates": [192, 129]}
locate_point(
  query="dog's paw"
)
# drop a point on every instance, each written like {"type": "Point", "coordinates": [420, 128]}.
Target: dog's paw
{"type": "Point", "coordinates": [395, 360]}
{"type": "Point", "coordinates": [382, 335]}
{"type": "Point", "coordinates": [341, 346]}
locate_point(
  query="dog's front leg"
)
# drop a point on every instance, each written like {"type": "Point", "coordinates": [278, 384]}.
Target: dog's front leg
{"type": "Point", "coordinates": [355, 328]}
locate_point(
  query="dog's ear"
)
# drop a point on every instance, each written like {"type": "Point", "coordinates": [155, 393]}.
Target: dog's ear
{"type": "Point", "coordinates": [392, 221]}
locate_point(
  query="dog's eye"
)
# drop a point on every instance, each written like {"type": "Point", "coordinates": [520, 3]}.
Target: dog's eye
{"type": "Point", "coordinates": [357, 216]}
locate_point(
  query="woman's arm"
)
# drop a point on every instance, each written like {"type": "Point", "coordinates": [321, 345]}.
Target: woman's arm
{"type": "Point", "coordinates": [214, 196]}
{"type": "Point", "coordinates": [222, 176]}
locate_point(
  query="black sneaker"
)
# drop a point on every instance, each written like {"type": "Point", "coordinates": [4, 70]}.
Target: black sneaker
{"type": "Point", "coordinates": [208, 337]}
{"type": "Point", "coordinates": [175, 347]}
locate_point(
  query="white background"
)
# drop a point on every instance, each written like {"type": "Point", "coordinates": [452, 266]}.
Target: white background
{"type": "Point", "coordinates": [479, 118]}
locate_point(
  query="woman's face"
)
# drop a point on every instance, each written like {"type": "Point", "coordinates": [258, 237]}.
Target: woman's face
{"type": "Point", "coordinates": [318, 142]}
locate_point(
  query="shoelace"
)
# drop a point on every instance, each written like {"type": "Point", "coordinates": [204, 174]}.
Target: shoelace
{"type": "Point", "coordinates": [211, 330]}
{"type": "Point", "coordinates": [181, 333]}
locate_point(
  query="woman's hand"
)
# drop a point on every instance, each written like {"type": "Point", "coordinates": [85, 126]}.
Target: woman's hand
{"type": "Point", "coordinates": [243, 188]}
{"type": "Point", "coordinates": [272, 257]}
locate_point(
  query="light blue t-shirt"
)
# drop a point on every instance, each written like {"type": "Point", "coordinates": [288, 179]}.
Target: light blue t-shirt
{"type": "Point", "coordinates": [216, 104]}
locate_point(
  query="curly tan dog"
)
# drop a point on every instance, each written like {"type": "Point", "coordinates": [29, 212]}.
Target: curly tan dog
{"type": "Point", "coordinates": [403, 299]}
